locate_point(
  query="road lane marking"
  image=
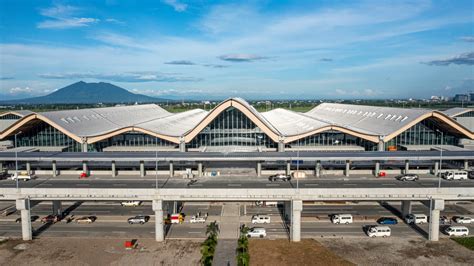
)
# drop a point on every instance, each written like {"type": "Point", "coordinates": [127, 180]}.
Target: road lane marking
{"type": "Point", "coordinates": [234, 185]}
{"type": "Point", "coordinates": [388, 184]}
{"type": "Point", "coordinates": [311, 185]}
{"type": "Point", "coordinates": [82, 185]}
{"type": "Point", "coordinates": [195, 232]}
{"type": "Point", "coordinates": [350, 184]}
{"type": "Point", "coordinates": [273, 185]}
{"type": "Point", "coordinates": [121, 185]}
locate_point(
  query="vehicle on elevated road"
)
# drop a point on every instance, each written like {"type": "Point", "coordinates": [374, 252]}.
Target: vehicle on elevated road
{"type": "Point", "coordinates": [86, 220]}
{"type": "Point", "coordinates": [407, 177]}
{"type": "Point", "coordinates": [279, 177]}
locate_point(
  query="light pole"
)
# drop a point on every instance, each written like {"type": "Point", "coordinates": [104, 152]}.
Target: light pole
{"type": "Point", "coordinates": [156, 162]}
{"type": "Point", "coordinates": [440, 158]}
{"type": "Point", "coordinates": [16, 161]}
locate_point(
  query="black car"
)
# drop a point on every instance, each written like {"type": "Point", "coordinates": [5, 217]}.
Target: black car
{"type": "Point", "coordinates": [470, 174]}
{"type": "Point", "coordinates": [387, 220]}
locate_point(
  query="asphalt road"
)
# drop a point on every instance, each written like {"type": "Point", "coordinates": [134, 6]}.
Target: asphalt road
{"type": "Point", "coordinates": [233, 183]}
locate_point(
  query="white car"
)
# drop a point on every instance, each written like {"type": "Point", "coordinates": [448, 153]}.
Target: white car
{"type": "Point", "coordinates": [407, 177]}
{"type": "Point", "coordinates": [197, 219]}
{"type": "Point", "coordinates": [260, 219]}
{"type": "Point", "coordinates": [462, 220]}
{"type": "Point", "coordinates": [457, 231]}
{"type": "Point", "coordinates": [416, 219]}
{"type": "Point", "coordinates": [375, 231]}
{"type": "Point", "coordinates": [21, 176]}
{"type": "Point", "coordinates": [131, 203]}
{"type": "Point", "coordinates": [257, 232]}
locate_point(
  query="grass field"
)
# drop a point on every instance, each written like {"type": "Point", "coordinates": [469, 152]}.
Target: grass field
{"type": "Point", "coordinates": [468, 242]}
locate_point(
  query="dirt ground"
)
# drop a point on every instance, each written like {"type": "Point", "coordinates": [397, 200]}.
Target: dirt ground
{"type": "Point", "coordinates": [283, 252]}
{"type": "Point", "coordinates": [79, 251]}
{"type": "Point", "coordinates": [400, 251]}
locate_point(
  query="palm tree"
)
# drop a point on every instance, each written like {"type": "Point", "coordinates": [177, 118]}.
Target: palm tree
{"type": "Point", "coordinates": [212, 229]}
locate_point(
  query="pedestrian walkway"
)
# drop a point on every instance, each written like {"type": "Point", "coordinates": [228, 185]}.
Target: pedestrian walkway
{"type": "Point", "coordinates": [229, 233]}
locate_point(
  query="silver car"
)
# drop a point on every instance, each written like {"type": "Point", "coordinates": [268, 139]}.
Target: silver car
{"type": "Point", "coordinates": [407, 177]}
{"type": "Point", "coordinates": [279, 177]}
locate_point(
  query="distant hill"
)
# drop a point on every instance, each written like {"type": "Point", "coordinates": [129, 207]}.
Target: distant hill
{"type": "Point", "coordinates": [88, 93]}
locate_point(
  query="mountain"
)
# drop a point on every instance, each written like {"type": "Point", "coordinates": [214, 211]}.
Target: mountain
{"type": "Point", "coordinates": [89, 93]}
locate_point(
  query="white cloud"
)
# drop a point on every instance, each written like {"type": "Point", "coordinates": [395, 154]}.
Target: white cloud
{"type": "Point", "coordinates": [62, 17]}
{"type": "Point", "coordinates": [241, 57]}
{"type": "Point", "coordinates": [177, 5]}
{"type": "Point", "coordinates": [468, 38]}
{"type": "Point", "coordinates": [19, 90]}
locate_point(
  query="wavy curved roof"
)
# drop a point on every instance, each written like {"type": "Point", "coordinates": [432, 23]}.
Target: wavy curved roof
{"type": "Point", "coordinates": [367, 122]}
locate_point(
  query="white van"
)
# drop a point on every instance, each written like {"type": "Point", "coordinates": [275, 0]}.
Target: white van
{"type": "Point", "coordinates": [455, 175]}
{"type": "Point", "coordinates": [376, 231]}
{"type": "Point", "coordinates": [21, 176]}
{"type": "Point", "coordinates": [131, 203]}
{"type": "Point", "coordinates": [257, 232]}
{"type": "Point", "coordinates": [416, 219]}
{"type": "Point", "coordinates": [260, 219]}
{"type": "Point", "coordinates": [457, 231]}
{"type": "Point", "coordinates": [342, 219]}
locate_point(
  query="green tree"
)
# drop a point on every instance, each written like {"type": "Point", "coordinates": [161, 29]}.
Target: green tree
{"type": "Point", "coordinates": [212, 229]}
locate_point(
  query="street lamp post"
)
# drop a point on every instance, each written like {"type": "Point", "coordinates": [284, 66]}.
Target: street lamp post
{"type": "Point", "coordinates": [440, 158]}
{"type": "Point", "coordinates": [16, 161]}
{"type": "Point", "coordinates": [156, 162]}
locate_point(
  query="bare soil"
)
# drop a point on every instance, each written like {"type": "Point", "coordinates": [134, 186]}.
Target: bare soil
{"type": "Point", "coordinates": [102, 251]}
{"type": "Point", "coordinates": [282, 252]}
{"type": "Point", "coordinates": [399, 251]}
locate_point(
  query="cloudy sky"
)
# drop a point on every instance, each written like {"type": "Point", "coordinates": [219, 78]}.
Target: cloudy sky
{"type": "Point", "coordinates": [254, 49]}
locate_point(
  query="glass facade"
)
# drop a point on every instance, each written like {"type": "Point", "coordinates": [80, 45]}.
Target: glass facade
{"type": "Point", "coordinates": [39, 133]}
{"type": "Point", "coordinates": [333, 138]}
{"type": "Point", "coordinates": [427, 132]}
{"type": "Point", "coordinates": [10, 117]}
{"type": "Point", "coordinates": [131, 139]}
{"type": "Point", "coordinates": [231, 128]}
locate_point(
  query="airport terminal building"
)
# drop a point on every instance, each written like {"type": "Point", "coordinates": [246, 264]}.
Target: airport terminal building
{"type": "Point", "coordinates": [235, 126]}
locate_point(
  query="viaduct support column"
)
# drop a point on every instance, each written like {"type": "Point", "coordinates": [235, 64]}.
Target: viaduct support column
{"type": "Point", "coordinates": [281, 146]}
{"type": "Point", "coordinates": [259, 169]}
{"type": "Point", "coordinates": [55, 172]}
{"type": "Point", "coordinates": [381, 146]}
{"type": "Point", "coordinates": [199, 169]}
{"type": "Point", "coordinates": [348, 168]}
{"type": "Point", "coordinates": [159, 230]}
{"type": "Point", "coordinates": [24, 206]}
{"type": "Point", "coordinates": [436, 168]}
{"type": "Point", "coordinates": [466, 164]}
{"type": "Point", "coordinates": [114, 169]}
{"type": "Point", "coordinates": [407, 167]}
{"type": "Point", "coordinates": [171, 169]}
{"type": "Point", "coordinates": [84, 167]}
{"type": "Point", "coordinates": [406, 208]}
{"type": "Point", "coordinates": [288, 168]}
{"type": "Point", "coordinates": [28, 168]}
{"type": "Point", "coordinates": [182, 145]}
{"type": "Point", "coordinates": [296, 208]}
{"type": "Point", "coordinates": [436, 206]}
{"type": "Point", "coordinates": [377, 168]}
{"type": "Point", "coordinates": [317, 169]}
{"type": "Point", "coordinates": [57, 207]}
{"type": "Point", "coordinates": [142, 169]}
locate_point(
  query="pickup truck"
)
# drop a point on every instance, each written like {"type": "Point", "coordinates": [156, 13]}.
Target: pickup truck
{"type": "Point", "coordinates": [21, 176]}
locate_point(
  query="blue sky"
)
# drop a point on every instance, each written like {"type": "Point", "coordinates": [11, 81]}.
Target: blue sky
{"type": "Point", "coordinates": [252, 49]}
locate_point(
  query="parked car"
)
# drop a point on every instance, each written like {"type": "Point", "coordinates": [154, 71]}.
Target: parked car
{"type": "Point", "coordinates": [50, 219]}
{"type": "Point", "coordinates": [443, 220]}
{"type": "Point", "coordinates": [86, 220]}
{"type": "Point", "coordinates": [32, 218]}
{"type": "Point", "coordinates": [416, 218]}
{"type": "Point", "coordinates": [131, 203]}
{"type": "Point", "coordinates": [470, 174]}
{"type": "Point", "coordinates": [139, 219]}
{"type": "Point", "coordinates": [260, 219]}
{"type": "Point", "coordinates": [454, 175]}
{"type": "Point", "coordinates": [341, 219]}
{"type": "Point", "coordinates": [257, 232]}
{"type": "Point", "coordinates": [21, 176]}
{"type": "Point", "coordinates": [279, 177]}
{"type": "Point", "coordinates": [377, 231]}
{"type": "Point", "coordinates": [4, 175]}
{"type": "Point", "coordinates": [387, 220]}
{"type": "Point", "coordinates": [407, 177]}
{"type": "Point", "coordinates": [197, 219]}
{"type": "Point", "coordinates": [462, 219]}
{"type": "Point", "coordinates": [457, 231]}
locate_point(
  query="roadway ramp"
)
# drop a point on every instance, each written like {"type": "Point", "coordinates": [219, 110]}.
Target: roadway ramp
{"type": "Point", "coordinates": [229, 233]}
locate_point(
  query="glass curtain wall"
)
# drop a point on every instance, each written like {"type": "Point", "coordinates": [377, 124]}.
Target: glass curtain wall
{"type": "Point", "coordinates": [424, 133]}
{"type": "Point", "coordinates": [132, 139]}
{"type": "Point", "coordinates": [10, 117]}
{"type": "Point", "coordinates": [333, 138]}
{"type": "Point", "coordinates": [42, 134]}
{"type": "Point", "coordinates": [231, 128]}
